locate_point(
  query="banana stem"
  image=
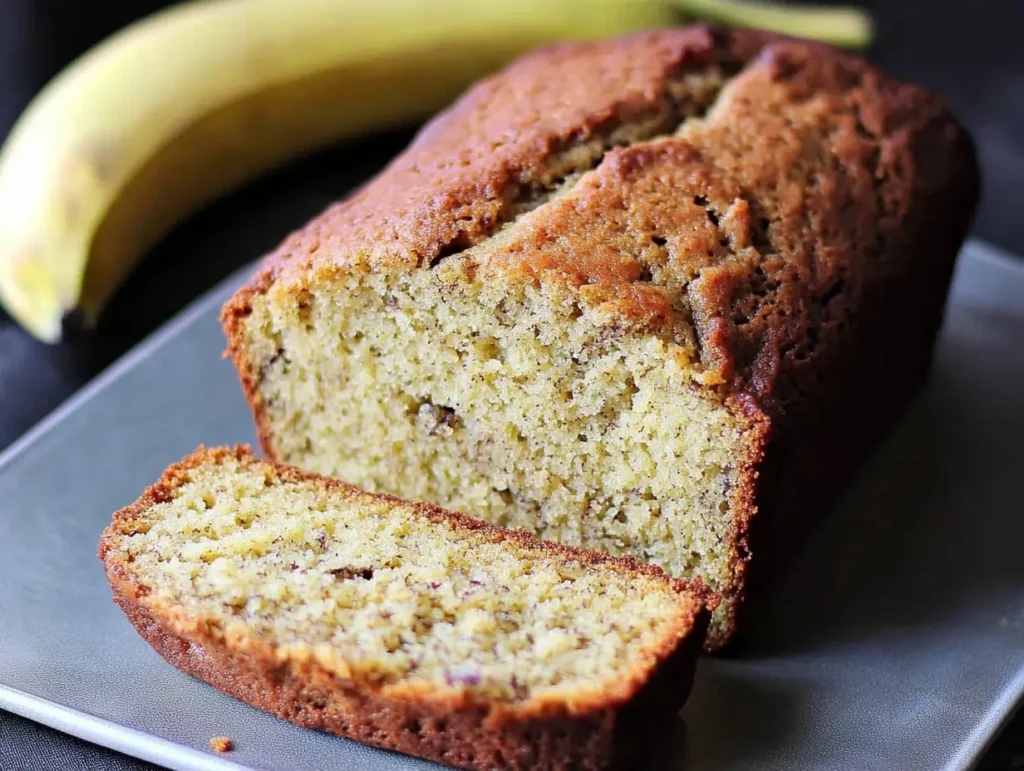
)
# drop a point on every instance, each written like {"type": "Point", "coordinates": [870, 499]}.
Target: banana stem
{"type": "Point", "coordinates": [845, 26]}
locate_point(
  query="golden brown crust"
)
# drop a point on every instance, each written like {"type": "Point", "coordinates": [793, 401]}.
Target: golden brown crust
{"type": "Point", "coordinates": [799, 241]}
{"type": "Point", "coordinates": [743, 505]}
{"type": "Point", "coordinates": [463, 174]}
{"type": "Point", "coordinates": [465, 737]}
{"type": "Point", "coordinates": [450, 726]}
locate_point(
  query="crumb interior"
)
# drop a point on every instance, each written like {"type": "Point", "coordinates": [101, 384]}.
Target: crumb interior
{"type": "Point", "coordinates": [510, 402]}
{"type": "Point", "coordinates": [367, 585]}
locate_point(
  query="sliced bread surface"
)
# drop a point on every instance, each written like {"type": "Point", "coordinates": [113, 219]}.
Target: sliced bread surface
{"type": "Point", "coordinates": [400, 624]}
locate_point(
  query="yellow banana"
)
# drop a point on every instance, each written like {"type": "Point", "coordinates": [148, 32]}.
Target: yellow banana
{"type": "Point", "coordinates": [188, 104]}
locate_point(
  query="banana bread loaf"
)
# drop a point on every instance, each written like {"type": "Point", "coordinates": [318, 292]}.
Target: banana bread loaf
{"type": "Point", "coordinates": [656, 296]}
{"type": "Point", "coordinates": [399, 624]}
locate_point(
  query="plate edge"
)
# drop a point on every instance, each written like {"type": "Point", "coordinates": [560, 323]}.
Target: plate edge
{"type": "Point", "coordinates": [997, 718]}
{"type": "Point", "coordinates": [113, 735]}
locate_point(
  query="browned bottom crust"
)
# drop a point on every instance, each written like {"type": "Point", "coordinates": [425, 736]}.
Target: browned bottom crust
{"type": "Point", "coordinates": [473, 737]}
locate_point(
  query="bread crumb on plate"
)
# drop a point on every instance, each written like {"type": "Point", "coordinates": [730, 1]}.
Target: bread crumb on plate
{"type": "Point", "coordinates": [222, 744]}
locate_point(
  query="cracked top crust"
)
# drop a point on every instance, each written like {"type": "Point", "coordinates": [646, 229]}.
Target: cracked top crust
{"type": "Point", "coordinates": [749, 235]}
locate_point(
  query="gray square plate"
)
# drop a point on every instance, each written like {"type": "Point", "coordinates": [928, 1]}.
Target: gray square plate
{"type": "Point", "coordinates": [896, 642]}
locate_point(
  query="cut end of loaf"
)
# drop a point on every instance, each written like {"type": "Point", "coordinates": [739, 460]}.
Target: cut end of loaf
{"type": "Point", "coordinates": [399, 598]}
{"type": "Point", "coordinates": [510, 402]}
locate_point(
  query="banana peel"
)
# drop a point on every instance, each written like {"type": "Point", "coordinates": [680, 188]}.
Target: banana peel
{"type": "Point", "coordinates": [189, 104]}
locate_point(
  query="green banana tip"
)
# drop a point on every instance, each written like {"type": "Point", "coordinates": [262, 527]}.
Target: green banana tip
{"type": "Point", "coordinates": [844, 26]}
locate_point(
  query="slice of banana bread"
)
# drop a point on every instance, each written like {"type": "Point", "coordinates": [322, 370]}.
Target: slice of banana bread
{"type": "Point", "coordinates": [626, 295]}
{"type": "Point", "coordinates": [399, 624]}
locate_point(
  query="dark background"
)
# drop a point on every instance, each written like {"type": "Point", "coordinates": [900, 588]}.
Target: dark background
{"type": "Point", "coordinates": [970, 52]}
